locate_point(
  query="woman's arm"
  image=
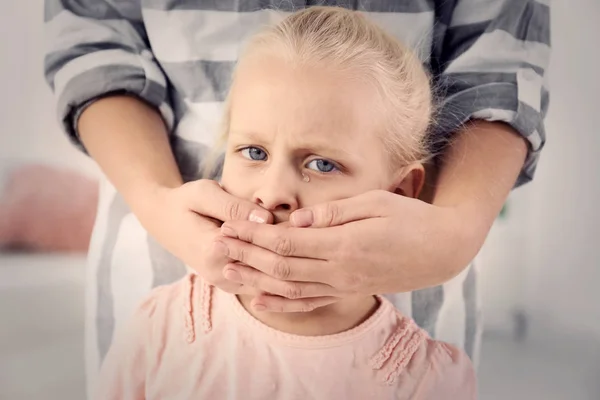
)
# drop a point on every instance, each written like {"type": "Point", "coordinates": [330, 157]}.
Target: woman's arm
{"type": "Point", "coordinates": [437, 241]}
{"type": "Point", "coordinates": [477, 173]}
{"type": "Point", "coordinates": [489, 63]}
{"type": "Point", "coordinates": [113, 102]}
{"type": "Point", "coordinates": [128, 140]}
{"type": "Point", "coordinates": [97, 48]}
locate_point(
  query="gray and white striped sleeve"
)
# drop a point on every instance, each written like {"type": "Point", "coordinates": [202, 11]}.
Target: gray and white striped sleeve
{"type": "Point", "coordinates": [492, 61]}
{"type": "Point", "coordinates": [95, 48]}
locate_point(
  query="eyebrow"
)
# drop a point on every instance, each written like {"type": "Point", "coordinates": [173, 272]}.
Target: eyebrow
{"type": "Point", "coordinates": [321, 147]}
{"type": "Point", "coordinates": [252, 136]}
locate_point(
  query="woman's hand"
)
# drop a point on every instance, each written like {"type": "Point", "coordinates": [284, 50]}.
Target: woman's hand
{"type": "Point", "coordinates": [374, 243]}
{"type": "Point", "coordinates": [379, 242]}
{"type": "Point", "coordinates": [129, 141]}
{"type": "Point", "coordinates": [186, 220]}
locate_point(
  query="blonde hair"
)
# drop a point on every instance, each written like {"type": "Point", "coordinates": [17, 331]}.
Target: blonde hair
{"type": "Point", "coordinates": [347, 40]}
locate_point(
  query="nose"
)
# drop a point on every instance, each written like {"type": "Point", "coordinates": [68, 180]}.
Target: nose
{"type": "Point", "coordinates": [278, 191]}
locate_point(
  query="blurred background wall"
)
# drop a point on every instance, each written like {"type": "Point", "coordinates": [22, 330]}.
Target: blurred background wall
{"type": "Point", "coordinates": [540, 266]}
{"type": "Point", "coordinates": [545, 259]}
{"type": "Point", "coordinates": [28, 127]}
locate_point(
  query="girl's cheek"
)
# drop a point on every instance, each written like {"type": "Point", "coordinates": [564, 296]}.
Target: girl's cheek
{"type": "Point", "coordinates": [236, 179]}
{"type": "Point", "coordinates": [328, 190]}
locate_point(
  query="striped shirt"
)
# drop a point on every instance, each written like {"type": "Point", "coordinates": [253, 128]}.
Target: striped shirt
{"type": "Point", "coordinates": [488, 59]}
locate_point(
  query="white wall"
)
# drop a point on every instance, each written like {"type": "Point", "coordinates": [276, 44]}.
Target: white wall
{"type": "Point", "coordinates": [563, 281]}
{"type": "Point", "coordinates": [546, 259]}
{"type": "Point", "coordinates": [503, 263]}
{"type": "Point", "coordinates": [28, 126]}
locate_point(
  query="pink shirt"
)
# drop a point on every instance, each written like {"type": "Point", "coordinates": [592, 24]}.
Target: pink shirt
{"type": "Point", "coordinates": [189, 340]}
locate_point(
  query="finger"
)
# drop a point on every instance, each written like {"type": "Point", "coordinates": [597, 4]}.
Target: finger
{"type": "Point", "coordinates": [269, 303]}
{"type": "Point", "coordinates": [208, 198]}
{"type": "Point", "coordinates": [228, 286]}
{"type": "Point", "coordinates": [272, 264]}
{"type": "Point", "coordinates": [238, 289]}
{"type": "Point", "coordinates": [214, 274]}
{"type": "Point", "coordinates": [285, 241]}
{"type": "Point", "coordinates": [371, 204]}
{"type": "Point", "coordinates": [251, 277]}
{"type": "Point", "coordinates": [250, 291]}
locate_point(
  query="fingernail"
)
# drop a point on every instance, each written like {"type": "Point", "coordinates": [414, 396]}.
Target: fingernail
{"type": "Point", "coordinates": [258, 216]}
{"type": "Point", "coordinates": [222, 247]}
{"type": "Point", "coordinates": [302, 218]}
{"type": "Point", "coordinates": [232, 275]}
{"type": "Point", "coordinates": [260, 307]}
{"type": "Point", "coordinates": [228, 231]}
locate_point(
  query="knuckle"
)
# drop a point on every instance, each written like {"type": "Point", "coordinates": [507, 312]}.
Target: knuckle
{"type": "Point", "coordinates": [212, 256]}
{"type": "Point", "coordinates": [332, 214]}
{"type": "Point", "coordinates": [241, 255]}
{"type": "Point", "coordinates": [292, 291]}
{"type": "Point", "coordinates": [233, 210]}
{"type": "Point", "coordinates": [193, 188]}
{"type": "Point", "coordinates": [245, 234]}
{"type": "Point", "coordinates": [284, 246]}
{"type": "Point", "coordinates": [191, 185]}
{"type": "Point", "coordinates": [201, 183]}
{"type": "Point", "coordinates": [250, 280]}
{"type": "Point", "coordinates": [281, 268]}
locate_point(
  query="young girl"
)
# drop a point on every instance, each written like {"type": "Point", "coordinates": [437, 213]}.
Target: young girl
{"type": "Point", "coordinates": [323, 106]}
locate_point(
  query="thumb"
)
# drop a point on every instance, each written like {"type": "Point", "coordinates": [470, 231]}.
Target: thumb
{"type": "Point", "coordinates": [363, 206]}
{"type": "Point", "coordinates": [210, 199]}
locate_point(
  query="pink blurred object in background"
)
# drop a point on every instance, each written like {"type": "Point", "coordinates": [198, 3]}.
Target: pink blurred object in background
{"type": "Point", "coordinates": [47, 209]}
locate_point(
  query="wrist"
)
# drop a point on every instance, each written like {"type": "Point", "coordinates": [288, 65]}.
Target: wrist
{"type": "Point", "coordinates": [129, 141]}
{"type": "Point", "coordinates": [148, 198]}
{"type": "Point", "coordinates": [475, 177]}
{"type": "Point", "coordinates": [463, 234]}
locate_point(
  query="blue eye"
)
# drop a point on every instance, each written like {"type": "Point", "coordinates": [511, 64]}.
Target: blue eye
{"type": "Point", "coordinates": [322, 166]}
{"type": "Point", "coordinates": [254, 153]}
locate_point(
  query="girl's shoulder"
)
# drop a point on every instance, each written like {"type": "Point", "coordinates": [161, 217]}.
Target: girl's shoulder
{"type": "Point", "coordinates": [449, 373]}
{"type": "Point", "coordinates": [439, 370]}
{"type": "Point", "coordinates": [421, 367]}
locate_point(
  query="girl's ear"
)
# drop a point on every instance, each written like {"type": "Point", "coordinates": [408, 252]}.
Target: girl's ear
{"type": "Point", "coordinates": [410, 181]}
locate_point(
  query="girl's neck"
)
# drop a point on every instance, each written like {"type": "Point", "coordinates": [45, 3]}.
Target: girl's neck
{"type": "Point", "coordinates": [334, 318]}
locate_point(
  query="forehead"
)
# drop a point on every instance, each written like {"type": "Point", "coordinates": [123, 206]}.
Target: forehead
{"type": "Point", "coordinates": [308, 102]}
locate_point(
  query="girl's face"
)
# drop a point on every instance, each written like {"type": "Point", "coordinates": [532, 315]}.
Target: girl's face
{"type": "Point", "coordinates": [302, 136]}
